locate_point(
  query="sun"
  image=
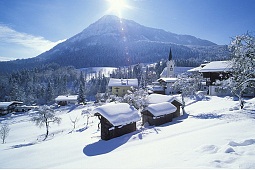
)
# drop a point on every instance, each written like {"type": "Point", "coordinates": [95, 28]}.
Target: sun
{"type": "Point", "coordinates": [117, 6]}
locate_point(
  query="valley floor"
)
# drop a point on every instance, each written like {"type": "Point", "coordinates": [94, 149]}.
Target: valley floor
{"type": "Point", "coordinates": [212, 134]}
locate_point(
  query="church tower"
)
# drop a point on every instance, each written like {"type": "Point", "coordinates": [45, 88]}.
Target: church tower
{"type": "Point", "coordinates": [170, 65]}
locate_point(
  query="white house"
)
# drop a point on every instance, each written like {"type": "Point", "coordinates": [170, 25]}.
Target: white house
{"type": "Point", "coordinates": [65, 100]}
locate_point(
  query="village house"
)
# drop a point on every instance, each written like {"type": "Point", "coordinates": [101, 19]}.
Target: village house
{"type": "Point", "coordinates": [158, 114]}
{"type": "Point", "coordinates": [116, 119]}
{"type": "Point", "coordinates": [8, 107]}
{"type": "Point", "coordinates": [65, 100]}
{"type": "Point", "coordinates": [120, 87]}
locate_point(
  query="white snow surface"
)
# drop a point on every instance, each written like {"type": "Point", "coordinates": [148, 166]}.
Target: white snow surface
{"type": "Point", "coordinates": [161, 109]}
{"type": "Point", "coordinates": [159, 98]}
{"type": "Point", "coordinates": [213, 133]}
{"type": "Point", "coordinates": [5, 104]}
{"type": "Point", "coordinates": [217, 66]}
{"type": "Point", "coordinates": [118, 113]}
{"type": "Point", "coordinates": [66, 98]}
{"type": "Point", "coordinates": [123, 82]}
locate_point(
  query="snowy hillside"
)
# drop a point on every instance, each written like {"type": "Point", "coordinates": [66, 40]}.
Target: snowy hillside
{"type": "Point", "coordinates": [213, 134]}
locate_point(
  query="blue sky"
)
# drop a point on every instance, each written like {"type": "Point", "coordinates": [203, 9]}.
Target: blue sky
{"type": "Point", "coordinates": [30, 27]}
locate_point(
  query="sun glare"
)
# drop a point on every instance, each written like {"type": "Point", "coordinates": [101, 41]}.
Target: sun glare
{"type": "Point", "coordinates": [117, 6]}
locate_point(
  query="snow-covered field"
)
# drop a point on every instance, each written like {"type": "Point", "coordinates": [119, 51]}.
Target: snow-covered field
{"type": "Point", "coordinates": [213, 134]}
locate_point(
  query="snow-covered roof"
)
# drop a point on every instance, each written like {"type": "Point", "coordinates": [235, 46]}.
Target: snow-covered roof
{"type": "Point", "coordinates": [159, 98]}
{"type": "Point", "coordinates": [123, 82]}
{"type": "Point", "coordinates": [6, 104]}
{"type": "Point", "coordinates": [197, 69]}
{"type": "Point", "coordinates": [66, 98]}
{"type": "Point", "coordinates": [164, 72]}
{"type": "Point", "coordinates": [160, 109]}
{"type": "Point", "coordinates": [168, 80]}
{"type": "Point", "coordinates": [118, 113]}
{"type": "Point", "coordinates": [217, 66]}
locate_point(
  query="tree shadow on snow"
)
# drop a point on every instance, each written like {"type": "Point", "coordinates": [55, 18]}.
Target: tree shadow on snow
{"type": "Point", "coordinates": [208, 116]}
{"type": "Point", "coordinates": [103, 147]}
{"type": "Point", "coordinates": [72, 108]}
{"type": "Point", "coordinates": [176, 120]}
{"type": "Point", "coordinates": [22, 145]}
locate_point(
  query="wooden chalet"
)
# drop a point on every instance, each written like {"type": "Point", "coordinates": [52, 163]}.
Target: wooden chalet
{"type": "Point", "coordinates": [213, 71]}
{"type": "Point", "coordinates": [159, 98]}
{"type": "Point", "coordinates": [158, 114]}
{"type": "Point", "coordinates": [116, 119]}
{"type": "Point", "coordinates": [216, 70]}
{"type": "Point", "coordinates": [8, 107]}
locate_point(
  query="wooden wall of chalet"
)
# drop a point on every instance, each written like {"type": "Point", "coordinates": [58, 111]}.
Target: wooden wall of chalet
{"type": "Point", "coordinates": [62, 103]}
{"type": "Point", "coordinates": [177, 113]}
{"type": "Point", "coordinates": [213, 76]}
{"type": "Point", "coordinates": [107, 134]}
{"type": "Point", "coordinates": [147, 116]}
{"type": "Point", "coordinates": [159, 92]}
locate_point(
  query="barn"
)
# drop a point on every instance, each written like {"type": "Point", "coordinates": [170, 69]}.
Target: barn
{"type": "Point", "coordinates": [158, 114]}
{"type": "Point", "coordinates": [159, 98]}
{"type": "Point", "coordinates": [116, 119]}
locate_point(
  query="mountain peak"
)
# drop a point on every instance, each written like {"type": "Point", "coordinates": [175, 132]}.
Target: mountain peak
{"type": "Point", "coordinates": [108, 18]}
{"type": "Point", "coordinates": [112, 27]}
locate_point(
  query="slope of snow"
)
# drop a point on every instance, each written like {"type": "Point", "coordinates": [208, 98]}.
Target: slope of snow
{"type": "Point", "coordinates": [212, 134]}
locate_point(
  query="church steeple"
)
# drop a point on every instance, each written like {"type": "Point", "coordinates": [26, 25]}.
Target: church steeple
{"type": "Point", "coordinates": [170, 55]}
{"type": "Point", "coordinates": [170, 65]}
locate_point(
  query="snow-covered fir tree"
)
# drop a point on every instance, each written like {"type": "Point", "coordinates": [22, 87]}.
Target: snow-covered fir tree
{"type": "Point", "coordinates": [242, 50]}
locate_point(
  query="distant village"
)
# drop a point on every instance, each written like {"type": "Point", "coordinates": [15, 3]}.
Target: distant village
{"type": "Point", "coordinates": [160, 105]}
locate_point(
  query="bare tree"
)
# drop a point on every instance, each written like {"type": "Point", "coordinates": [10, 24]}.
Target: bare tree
{"type": "Point", "coordinates": [45, 116]}
{"type": "Point", "coordinates": [4, 132]}
{"type": "Point", "coordinates": [87, 113]}
{"type": "Point", "coordinates": [74, 121]}
{"type": "Point", "coordinates": [188, 85]}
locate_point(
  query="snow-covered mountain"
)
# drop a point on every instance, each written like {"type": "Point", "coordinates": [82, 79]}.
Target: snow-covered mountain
{"type": "Point", "coordinates": [114, 42]}
{"type": "Point", "coordinates": [124, 30]}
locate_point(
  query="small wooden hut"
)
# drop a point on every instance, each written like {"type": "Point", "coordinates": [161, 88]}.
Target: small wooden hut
{"type": "Point", "coordinates": [159, 98]}
{"type": "Point", "coordinates": [158, 114]}
{"type": "Point", "coordinates": [116, 119]}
